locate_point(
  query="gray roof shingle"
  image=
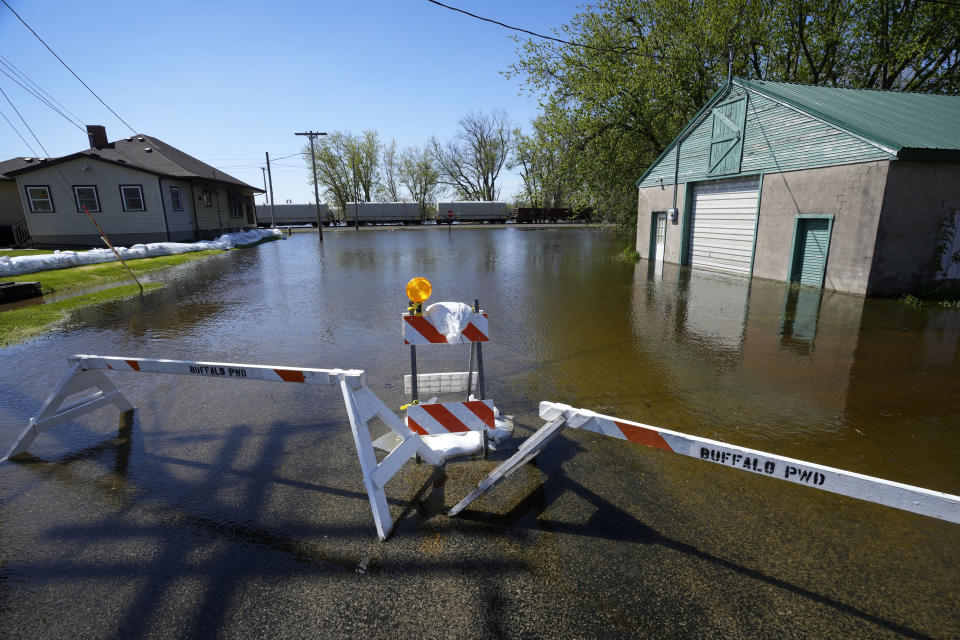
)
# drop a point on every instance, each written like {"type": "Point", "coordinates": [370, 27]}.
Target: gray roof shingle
{"type": "Point", "coordinates": [140, 152]}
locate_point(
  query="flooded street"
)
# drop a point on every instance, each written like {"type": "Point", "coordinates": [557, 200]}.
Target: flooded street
{"type": "Point", "coordinates": [237, 509]}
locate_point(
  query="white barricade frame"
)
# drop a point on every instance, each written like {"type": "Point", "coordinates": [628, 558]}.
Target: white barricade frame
{"type": "Point", "coordinates": [934, 504]}
{"type": "Point", "coordinates": [86, 374]}
{"type": "Point", "coordinates": [434, 418]}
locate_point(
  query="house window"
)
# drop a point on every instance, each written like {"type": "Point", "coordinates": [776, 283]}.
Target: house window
{"type": "Point", "coordinates": [235, 203]}
{"type": "Point", "coordinates": [205, 198]}
{"type": "Point", "coordinates": [86, 197]}
{"type": "Point", "coordinates": [132, 197]}
{"type": "Point", "coordinates": [41, 201]}
{"type": "Point", "coordinates": [176, 198]}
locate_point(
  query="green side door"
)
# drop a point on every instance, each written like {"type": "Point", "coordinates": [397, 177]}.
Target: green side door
{"type": "Point", "coordinates": [811, 245]}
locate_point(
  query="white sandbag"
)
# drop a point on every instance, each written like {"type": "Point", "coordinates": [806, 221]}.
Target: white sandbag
{"type": "Point", "coordinates": [450, 318]}
{"type": "Point", "coordinates": [19, 265]}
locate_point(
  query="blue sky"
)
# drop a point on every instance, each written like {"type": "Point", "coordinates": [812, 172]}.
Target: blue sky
{"type": "Point", "coordinates": [227, 81]}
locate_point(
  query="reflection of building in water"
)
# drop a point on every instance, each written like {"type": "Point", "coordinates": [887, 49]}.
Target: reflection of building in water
{"type": "Point", "coordinates": [755, 352]}
{"type": "Point", "coordinates": [716, 308]}
{"type": "Point", "coordinates": [801, 310]}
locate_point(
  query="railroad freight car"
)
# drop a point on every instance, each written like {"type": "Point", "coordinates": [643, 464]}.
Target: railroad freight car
{"type": "Point", "coordinates": [471, 212]}
{"type": "Point", "coordinates": [292, 214]}
{"type": "Point", "coordinates": [368, 213]}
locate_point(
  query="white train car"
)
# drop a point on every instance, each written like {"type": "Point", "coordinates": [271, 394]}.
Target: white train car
{"type": "Point", "coordinates": [471, 212]}
{"type": "Point", "coordinates": [368, 213]}
{"type": "Point", "coordinates": [292, 214]}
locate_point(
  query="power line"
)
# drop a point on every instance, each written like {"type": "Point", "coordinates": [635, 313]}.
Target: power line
{"type": "Point", "coordinates": [22, 75]}
{"type": "Point", "coordinates": [653, 56]}
{"type": "Point", "coordinates": [40, 98]}
{"type": "Point", "coordinates": [67, 67]}
{"type": "Point", "coordinates": [19, 135]}
{"type": "Point", "coordinates": [24, 123]}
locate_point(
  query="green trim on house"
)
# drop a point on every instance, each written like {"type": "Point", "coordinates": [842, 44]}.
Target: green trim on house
{"type": "Point", "coordinates": [895, 119]}
{"type": "Point", "coordinates": [683, 131]}
{"type": "Point", "coordinates": [685, 225]}
{"type": "Point", "coordinates": [756, 224]}
{"type": "Point", "coordinates": [792, 257]}
{"type": "Point", "coordinates": [777, 137]}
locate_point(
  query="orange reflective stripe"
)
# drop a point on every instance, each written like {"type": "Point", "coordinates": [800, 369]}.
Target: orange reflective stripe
{"type": "Point", "coordinates": [289, 376]}
{"type": "Point", "coordinates": [482, 411]}
{"type": "Point", "coordinates": [424, 328]}
{"type": "Point", "coordinates": [473, 334]}
{"type": "Point", "coordinates": [643, 436]}
{"type": "Point", "coordinates": [416, 428]}
{"type": "Point", "coordinates": [442, 415]}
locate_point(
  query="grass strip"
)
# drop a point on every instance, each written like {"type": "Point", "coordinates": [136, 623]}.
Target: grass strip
{"type": "Point", "coordinates": [91, 275]}
{"type": "Point", "coordinates": [18, 325]}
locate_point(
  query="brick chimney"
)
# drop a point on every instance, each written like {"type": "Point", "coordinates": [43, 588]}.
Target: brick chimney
{"type": "Point", "coordinates": [97, 135]}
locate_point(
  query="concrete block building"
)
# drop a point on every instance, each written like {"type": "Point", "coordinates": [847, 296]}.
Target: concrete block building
{"type": "Point", "coordinates": [851, 190]}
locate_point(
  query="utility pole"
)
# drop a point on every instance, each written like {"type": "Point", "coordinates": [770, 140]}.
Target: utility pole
{"type": "Point", "coordinates": [273, 217]}
{"type": "Point", "coordinates": [264, 170]}
{"type": "Point", "coordinates": [356, 194]}
{"type": "Point", "coordinates": [313, 157]}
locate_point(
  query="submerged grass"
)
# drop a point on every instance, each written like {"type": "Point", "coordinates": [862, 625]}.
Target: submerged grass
{"type": "Point", "coordinates": [629, 254]}
{"type": "Point", "coordinates": [18, 325]}
{"type": "Point", "coordinates": [92, 275]}
{"type": "Point", "coordinates": [942, 297]}
{"type": "Point", "coordinates": [21, 324]}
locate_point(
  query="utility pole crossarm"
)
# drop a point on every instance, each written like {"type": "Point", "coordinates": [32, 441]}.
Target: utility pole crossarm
{"type": "Point", "coordinates": [313, 157]}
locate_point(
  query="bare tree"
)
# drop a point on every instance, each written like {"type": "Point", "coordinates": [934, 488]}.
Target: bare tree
{"type": "Point", "coordinates": [418, 173]}
{"type": "Point", "coordinates": [389, 190]}
{"type": "Point", "coordinates": [470, 163]}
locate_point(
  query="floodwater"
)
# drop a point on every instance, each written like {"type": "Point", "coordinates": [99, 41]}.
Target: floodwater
{"type": "Point", "coordinates": [237, 509]}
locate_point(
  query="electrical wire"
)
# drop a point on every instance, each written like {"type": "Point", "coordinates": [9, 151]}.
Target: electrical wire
{"type": "Point", "coordinates": [19, 135]}
{"type": "Point", "coordinates": [653, 56]}
{"type": "Point", "coordinates": [23, 76]}
{"type": "Point", "coordinates": [67, 67]}
{"type": "Point", "coordinates": [41, 99]}
{"type": "Point", "coordinates": [17, 111]}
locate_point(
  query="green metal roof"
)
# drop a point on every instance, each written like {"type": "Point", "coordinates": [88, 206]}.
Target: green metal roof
{"type": "Point", "coordinates": [916, 126]}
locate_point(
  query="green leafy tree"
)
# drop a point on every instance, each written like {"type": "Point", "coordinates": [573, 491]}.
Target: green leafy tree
{"type": "Point", "coordinates": [638, 70]}
{"type": "Point", "coordinates": [346, 165]}
{"type": "Point", "coordinates": [419, 175]}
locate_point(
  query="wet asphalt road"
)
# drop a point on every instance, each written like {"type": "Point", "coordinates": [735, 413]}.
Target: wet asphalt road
{"type": "Point", "coordinates": [237, 509]}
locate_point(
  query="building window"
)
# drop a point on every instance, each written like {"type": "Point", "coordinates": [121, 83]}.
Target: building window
{"type": "Point", "coordinates": [205, 198]}
{"type": "Point", "coordinates": [41, 200]}
{"type": "Point", "coordinates": [235, 203]}
{"type": "Point", "coordinates": [86, 197]}
{"type": "Point", "coordinates": [176, 198]}
{"type": "Point", "coordinates": [132, 197]}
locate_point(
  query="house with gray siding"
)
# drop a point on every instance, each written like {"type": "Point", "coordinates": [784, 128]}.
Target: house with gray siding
{"type": "Point", "coordinates": [139, 189]}
{"type": "Point", "coordinates": [851, 190]}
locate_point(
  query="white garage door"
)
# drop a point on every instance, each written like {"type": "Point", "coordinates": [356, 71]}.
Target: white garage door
{"type": "Point", "coordinates": [724, 224]}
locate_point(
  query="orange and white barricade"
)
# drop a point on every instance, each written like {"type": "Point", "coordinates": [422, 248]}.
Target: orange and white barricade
{"type": "Point", "coordinates": [440, 418]}
{"type": "Point", "coordinates": [925, 502]}
{"type": "Point", "coordinates": [87, 375]}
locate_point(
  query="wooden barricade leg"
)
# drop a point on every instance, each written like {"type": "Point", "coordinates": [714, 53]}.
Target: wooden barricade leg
{"type": "Point", "coordinates": [527, 452]}
{"type": "Point", "coordinates": [54, 411]}
{"type": "Point", "coordinates": [362, 406]}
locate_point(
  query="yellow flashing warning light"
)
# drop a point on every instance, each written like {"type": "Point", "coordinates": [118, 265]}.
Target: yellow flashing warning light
{"type": "Point", "coordinates": [419, 289]}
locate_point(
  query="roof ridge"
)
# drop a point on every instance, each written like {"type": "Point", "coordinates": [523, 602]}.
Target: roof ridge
{"type": "Point", "coordinates": [871, 89]}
